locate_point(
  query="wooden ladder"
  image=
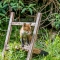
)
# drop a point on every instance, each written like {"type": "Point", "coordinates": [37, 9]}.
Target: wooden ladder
{"type": "Point", "coordinates": [34, 37]}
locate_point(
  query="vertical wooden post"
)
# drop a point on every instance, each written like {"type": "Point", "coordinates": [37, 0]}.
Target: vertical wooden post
{"type": "Point", "coordinates": [34, 36]}
{"type": "Point", "coordinates": [8, 32]}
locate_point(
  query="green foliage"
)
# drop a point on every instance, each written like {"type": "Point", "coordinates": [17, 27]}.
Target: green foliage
{"type": "Point", "coordinates": [44, 34]}
{"type": "Point", "coordinates": [19, 5]}
{"type": "Point", "coordinates": [14, 54]}
{"type": "Point", "coordinates": [1, 55]}
{"type": "Point", "coordinates": [54, 49]}
{"type": "Point", "coordinates": [29, 8]}
{"type": "Point", "coordinates": [3, 17]}
{"type": "Point", "coordinates": [3, 8]}
{"type": "Point", "coordinates": [16, 6]}
{"type": "Point", "coordinates": [43, 42]}
{"type": "Point", "coordinates": [59, 0]}
{"type": "Point", "coordinates": [55, 20]}
{"type": "Point", "coordinates": [3, 21]}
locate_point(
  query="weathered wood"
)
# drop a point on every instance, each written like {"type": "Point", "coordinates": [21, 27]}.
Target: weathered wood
{"type": "Point", "coordinates": [21, 23]}
{"type": "Point", "coordinates": [8, 32]}
{"type": "Point", "coordinates": [34, 36]}
{"type": "Point", "coordinates": [26, 48]}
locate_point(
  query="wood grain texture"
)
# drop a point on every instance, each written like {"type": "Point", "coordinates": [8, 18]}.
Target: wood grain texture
{"type": "Point", "coordinates": [21, 23]}
{"type": "Point", "coordinates": [8, 32]}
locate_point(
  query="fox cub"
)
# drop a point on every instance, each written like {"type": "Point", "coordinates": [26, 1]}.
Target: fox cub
{"type": "Point", "coordinates": [25, 34]}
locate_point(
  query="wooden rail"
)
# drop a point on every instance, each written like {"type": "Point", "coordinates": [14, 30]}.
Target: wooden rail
{"type": "Point", "coordinates": [21, 23]}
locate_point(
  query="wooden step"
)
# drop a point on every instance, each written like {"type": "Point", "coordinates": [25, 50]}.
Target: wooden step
{"type": "Point", "coordinates": [21, 23]}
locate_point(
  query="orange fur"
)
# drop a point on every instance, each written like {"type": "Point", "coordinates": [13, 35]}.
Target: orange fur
{"type": "Point", "coordinates": [36, 51]}
{"type": "Point", "coordinates": [25, 27]}
{"type": "Point", "coordinates": [25, 32]}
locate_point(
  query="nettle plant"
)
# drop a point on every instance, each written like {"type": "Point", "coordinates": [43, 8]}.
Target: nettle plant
{"type": "Point", "coordinates": [20, 5]}
{"type": "Point", "coordinates": [15, 4]}
{"type": "Point", "coordinates": [55, 19]}
{"type": "Point", "coordinates": [29, 8]}
{"type": "Point", "coordinates": [4, 8]}
{"type": "Point", "coordinates": [3, 17]}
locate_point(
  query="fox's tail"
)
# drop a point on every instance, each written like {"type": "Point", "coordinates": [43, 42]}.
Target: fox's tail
{"type": "Point", "coordinates": [40, 52]}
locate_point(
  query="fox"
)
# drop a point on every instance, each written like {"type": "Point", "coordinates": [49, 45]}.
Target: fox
{"type": "Point", "coordinates": [26, 36]}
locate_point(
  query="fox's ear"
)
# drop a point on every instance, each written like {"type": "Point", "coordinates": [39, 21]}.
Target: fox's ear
{"type": "Point", "coordinates": [24, 24]}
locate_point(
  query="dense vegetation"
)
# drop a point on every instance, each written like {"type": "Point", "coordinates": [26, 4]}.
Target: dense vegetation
{"type": "Point", "coordinates": [48, 35]}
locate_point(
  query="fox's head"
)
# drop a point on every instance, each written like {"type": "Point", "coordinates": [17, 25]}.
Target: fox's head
{"type": "Point", "coordinates": [27, 28]}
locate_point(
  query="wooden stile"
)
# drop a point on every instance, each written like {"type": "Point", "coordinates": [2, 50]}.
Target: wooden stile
{"type": "Point", "coordinates": [34, 37]}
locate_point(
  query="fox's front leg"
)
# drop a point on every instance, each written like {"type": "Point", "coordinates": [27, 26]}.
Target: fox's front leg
{"type": "Point", "coordinates": [28, 40]}
{"type": "Point", "coordinates": [29, 37]}
{"type": "Point", "coordinates": [22, 41]}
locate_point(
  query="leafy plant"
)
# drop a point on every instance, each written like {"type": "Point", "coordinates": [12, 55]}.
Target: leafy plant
{"type": "Point", "coordinates": [54, 49]}
{"type": "Point", "coordinates": [3, 21]}
{"type": "Point", "coordinates": [17, 5]}
{"type": "Point", "coordinates": [55, 20]}
{"type": "Point", "coordinates": [29, 8]}
{"type": "Point", "coordinates": [3, 7]}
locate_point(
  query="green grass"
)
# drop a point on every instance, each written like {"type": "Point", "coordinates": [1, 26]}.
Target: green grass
{"type": "Point", "coordinates": [53, 48]}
